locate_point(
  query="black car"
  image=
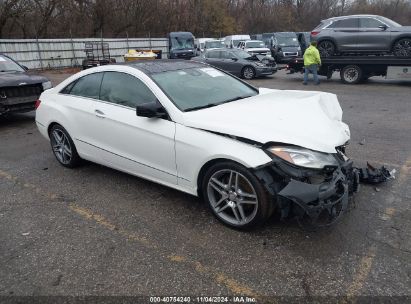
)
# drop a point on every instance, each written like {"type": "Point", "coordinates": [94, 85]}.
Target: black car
{"type": "Point", "coordinates": [239, 62]}
{"type": "Point", "coordinates": [19, 90]}
{"type": "Point", "coordinates": [304, 39]}
{"type": "Point", "coordinates": [181, 45]}
{"type": "Point", "coordinates": [284, 46]}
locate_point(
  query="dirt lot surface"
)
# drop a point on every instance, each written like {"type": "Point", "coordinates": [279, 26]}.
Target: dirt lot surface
{"type": "Point", "coordinates": [96, 231]}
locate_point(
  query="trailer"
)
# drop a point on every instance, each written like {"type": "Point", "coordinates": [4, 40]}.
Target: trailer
{"type": "Point", "coordinates": [356, 69]}
{"type": "Point", "coordinates": [97, 53]}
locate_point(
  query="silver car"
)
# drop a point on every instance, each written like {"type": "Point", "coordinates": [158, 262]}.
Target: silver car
{"type": "Point", "coordinates": [362, 34]}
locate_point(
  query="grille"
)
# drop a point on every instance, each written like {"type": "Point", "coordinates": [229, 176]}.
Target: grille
{"type": "Point", "coordinates": [22, 91]}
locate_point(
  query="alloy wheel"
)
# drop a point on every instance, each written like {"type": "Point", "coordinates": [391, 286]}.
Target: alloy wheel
{"type": "Point", "coordinates": [403, 48]}
{"type": "Point", "coordinates": [61, 146]}
{"type": "Point", "coordinates": [232, 197]}
{"type": "Point", "coordinates": [248, 73]}
{"type": "Point", "coordinates": [326, 48]}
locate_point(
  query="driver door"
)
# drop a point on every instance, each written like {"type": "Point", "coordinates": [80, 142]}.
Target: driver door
{"type": "Point", "coordinates": [373, 38]}
{"type": "Point", "coordinates": [138, 145]}
{"type": "Point", "coordinates": [230, 65]}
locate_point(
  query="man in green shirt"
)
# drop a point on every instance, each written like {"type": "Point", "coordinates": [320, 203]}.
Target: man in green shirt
{"type": "Point", "coordinates": [312, 61]}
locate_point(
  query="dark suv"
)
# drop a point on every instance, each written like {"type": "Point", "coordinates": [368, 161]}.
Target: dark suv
{"type": "Point", "coordinates": [362, 34]}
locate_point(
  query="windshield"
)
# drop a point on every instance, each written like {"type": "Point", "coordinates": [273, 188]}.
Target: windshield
{"type": "Point", "coordinates": [7, 65]}
{"type": "Point", "coordinates": [287, 41]}
{"type": "Point", "coordinates": [255, 44]}
{"type": "Point", "coordinates": [214, 44]}
{"type": "Point", "coordinates": [390, 22]}
{"type": "Point", "coordinates": [242, 54]}
{"type": "Point", "coordinates": [196, 88]}
{"type": "Point", "coordinates": [236, 42]}
{"type": "Point", "coordinates": [181, 43]}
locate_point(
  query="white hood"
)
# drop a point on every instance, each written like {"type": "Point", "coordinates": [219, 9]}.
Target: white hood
{"type": "Point", "coordinates": [257, 50]}
{"type": "Point", "coordinates": [307, 119]}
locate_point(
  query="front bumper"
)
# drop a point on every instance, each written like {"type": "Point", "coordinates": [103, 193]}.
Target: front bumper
{"type": "Point", "coordinates": [319, 196]}
{"type": "Point", "coordinates": [18, 105]}
{"type": "Point", "coordinates": [263, 71]}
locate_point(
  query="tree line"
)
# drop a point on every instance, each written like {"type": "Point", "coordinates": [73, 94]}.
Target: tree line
{"type": "Point", "coordinates": [155, 18]}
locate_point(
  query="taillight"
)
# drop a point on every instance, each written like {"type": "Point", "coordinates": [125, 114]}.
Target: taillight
{"type": "Point", "coordinates": [37, 104]}
{"type": "Point", "coordinates": [315, 33]}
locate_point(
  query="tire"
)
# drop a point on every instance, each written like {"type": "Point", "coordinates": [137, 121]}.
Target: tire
{"type": "Point", "coordinates": [235, 196]}
{"type": "Point", "coordinates": [326, 48]}
{"type": "Point", "coordinates": [402, 48]}
{"type": "Point", "coordinates": [63, 147]}
{"type": "Point", "coordinates": [351, 74]}
{"type": "Point", "coordinates": [248, 72]}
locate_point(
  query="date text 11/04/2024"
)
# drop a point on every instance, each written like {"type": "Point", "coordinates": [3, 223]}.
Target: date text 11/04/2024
{"type": "Point", "coordinates": [203, 299]}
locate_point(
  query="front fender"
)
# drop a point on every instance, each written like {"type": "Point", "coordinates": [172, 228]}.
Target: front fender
{"type": "Point", "coordinates": [196, 147]}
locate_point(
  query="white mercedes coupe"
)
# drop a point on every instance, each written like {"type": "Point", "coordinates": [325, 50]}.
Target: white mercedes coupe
{"type": "Point", "coordinates": [245, 151]}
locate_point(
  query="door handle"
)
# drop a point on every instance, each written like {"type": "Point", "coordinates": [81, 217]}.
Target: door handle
{"type": "Point", "coordinates": [99, 114]}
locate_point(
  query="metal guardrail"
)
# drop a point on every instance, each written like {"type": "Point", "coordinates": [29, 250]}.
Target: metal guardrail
{"type": "Point", "coordinates": [62, 53]}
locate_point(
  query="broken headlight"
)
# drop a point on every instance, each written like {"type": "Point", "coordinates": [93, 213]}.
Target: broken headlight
{"type": "Point", "coordinates": [304, 157]}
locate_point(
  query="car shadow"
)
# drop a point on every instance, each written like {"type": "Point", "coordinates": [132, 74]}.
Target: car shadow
{"type": "Point", "coordinates": [14, 120]}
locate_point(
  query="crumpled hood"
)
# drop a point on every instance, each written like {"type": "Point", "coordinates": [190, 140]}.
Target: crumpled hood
{"type": "Point", "coordinates": [11, 79]}
{"type": "Point", "coordinates": [307, 119]}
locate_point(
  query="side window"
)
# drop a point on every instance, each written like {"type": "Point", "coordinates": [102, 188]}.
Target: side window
{"type": "Point", "coordinates": [87, 86]}
{"type": "Point", "coordinates": [369, 23]}
{"type": "Point", "coordinates": [68, 88]}
{"type": "Point", "coordinates": [345, 23]}
{"type": "Point", "coordinates": [213, 54]}
{"type": "Point", "coordinates": [224, 55]}
{"type": "Point", "coordinates": [125, 89]}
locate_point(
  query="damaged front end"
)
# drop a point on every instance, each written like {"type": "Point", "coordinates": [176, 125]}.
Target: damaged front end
{"type": "Point", "coordinates": [316, 197]}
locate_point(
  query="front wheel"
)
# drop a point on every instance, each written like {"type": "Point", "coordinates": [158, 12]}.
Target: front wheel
{"type": "Point", "coordinates": [351, 74]}
{"type": "Point", "coordinates": [235, 196]}
{"type": "Point", "coordinates": [248, 72]}
{"type": "Point", "coordinates": [402, 48]}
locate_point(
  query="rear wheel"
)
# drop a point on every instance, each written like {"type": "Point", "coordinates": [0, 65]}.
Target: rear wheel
{"type": "Point", "coordinates": [402, 48]}
{"type": "Point", "coordinates": [351, 74]}
{"type": "Point", "coordinates": [326, 48]}
{"type": "Point", "coordinates": [63, 147]}
{"type": "Point", "coordinates": [248, 72]}
{"type": "Point", "coordinates": [235, 196]}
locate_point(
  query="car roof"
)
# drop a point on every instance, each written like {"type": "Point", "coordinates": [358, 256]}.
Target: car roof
{"type": "Point", "coordinates": [351, 16]}
{"type": "Point", "coordinates": [254, 41]}
{"type": "Point", "coordinates": [285, 34]}
{"type": "Point", "coordinates": [163, 65]}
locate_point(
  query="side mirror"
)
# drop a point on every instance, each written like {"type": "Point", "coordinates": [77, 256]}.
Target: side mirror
{"type": "Point", "coordinates": [151, 110]}
{"type": "Point", "coordinates": [234, 59]}
{"type": "Point", "coordinates": [383, 27]}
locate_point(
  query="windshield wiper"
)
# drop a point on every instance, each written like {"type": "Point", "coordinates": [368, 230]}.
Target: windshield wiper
{"type": "Point", "coordinates": [201, 107]}
{"type": "Point", "coordinates": [236, 98]}
{"type": "Point", "coordinates": [216, 103]}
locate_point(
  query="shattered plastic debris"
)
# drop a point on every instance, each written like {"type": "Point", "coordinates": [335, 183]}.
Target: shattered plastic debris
{"type": "Point", "coordinates": [372, 175]}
